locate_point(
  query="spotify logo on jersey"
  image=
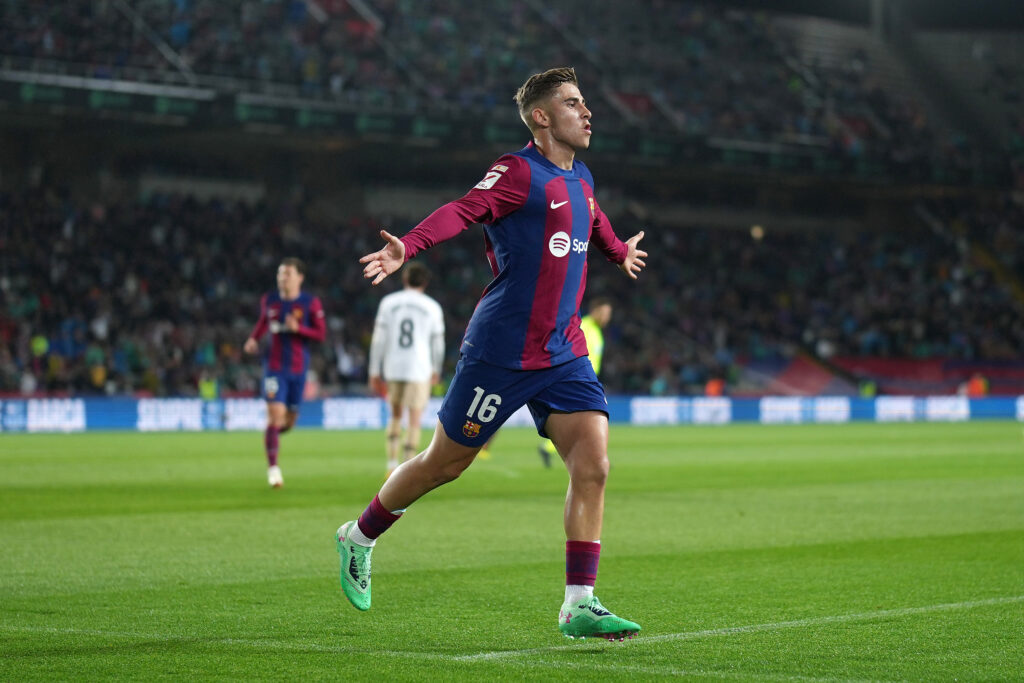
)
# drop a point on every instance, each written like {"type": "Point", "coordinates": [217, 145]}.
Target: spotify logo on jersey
{"type": "Point", "coordinates": [559, 244]}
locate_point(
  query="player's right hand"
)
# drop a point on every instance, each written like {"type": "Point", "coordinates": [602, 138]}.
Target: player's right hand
{"type": "Point", "coordinates": [382, 263]}
{"type": "Point", "coordinates": [251, 346]}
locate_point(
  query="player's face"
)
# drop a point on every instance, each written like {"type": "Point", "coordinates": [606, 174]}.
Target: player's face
{"type": "Point", "coordinates": [569, 117]}
{"type": "Point", "coordinates": [289, 280]}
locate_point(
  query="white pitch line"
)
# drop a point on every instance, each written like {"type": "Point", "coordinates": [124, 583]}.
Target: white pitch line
{"type": "Point", "coordinates": [282, 646]}
{"type": "Point", "coordinates": [756, 628]}
{"type": "Point", "coordinates": [268, 644]}
{"type": "Point", "coordinates": [506, 472]}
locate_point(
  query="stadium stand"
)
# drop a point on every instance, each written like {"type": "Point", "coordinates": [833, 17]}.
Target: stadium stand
{"type": "Point", "coordinates": [146, 292]}
{"type": "Point", "coordinates": [283, 47]}
{"type": "Point", "coordinates": [142, 296]}
{"type": "Point", "coordinates": [739, 76]}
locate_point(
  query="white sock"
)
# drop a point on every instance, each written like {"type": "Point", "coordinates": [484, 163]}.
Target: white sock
{"type": "Point", "coordinates": [575, 593]}
{"type": "Point", "coordinates": [357, 536]}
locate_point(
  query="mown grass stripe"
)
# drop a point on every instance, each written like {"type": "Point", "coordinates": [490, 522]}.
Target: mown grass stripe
{"type": "Point", "coordinates": [771, 626]}
{"type": "Point", "coordinates": [307, 646]}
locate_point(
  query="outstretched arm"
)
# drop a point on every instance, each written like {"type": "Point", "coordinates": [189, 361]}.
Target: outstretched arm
{"type": "Point", "coordinates": [380, 264]}
{"type": "Point", "coordinates": [501, 192]}
{"type": "Point", "coordinates": [634, 262]}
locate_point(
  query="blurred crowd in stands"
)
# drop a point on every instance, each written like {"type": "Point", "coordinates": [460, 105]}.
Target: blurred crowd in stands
{"type": "Point", "coordinates": [727, 297]}
{"type": "Point", "coordinates": [155, 296]}
{"type": "Point", "coordinates": [147, 296]}
{"type": "Point", "coordinates": [321, 49]}
{"type": "Point", "coordinates": [731, 73]}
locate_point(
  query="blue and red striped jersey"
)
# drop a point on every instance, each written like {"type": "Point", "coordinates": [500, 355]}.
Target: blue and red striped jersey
{"type": "Point", "coordinates": [539, 221]}
{"type": "Point", "coordinates": [289, 350]}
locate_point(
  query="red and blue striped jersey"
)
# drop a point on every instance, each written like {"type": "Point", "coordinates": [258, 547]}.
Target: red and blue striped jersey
{"type": "Point", "coordinates": [289, 351]}
{"type": "Point", "coordinates": [539, 221]}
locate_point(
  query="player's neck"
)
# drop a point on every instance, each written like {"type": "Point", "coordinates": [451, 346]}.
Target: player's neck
{"type": "Point", "coordinates": [289, 296]}
{"type": "Point", "coordinates": [558, 153]}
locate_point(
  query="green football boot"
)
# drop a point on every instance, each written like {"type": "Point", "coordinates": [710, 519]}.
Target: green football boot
{"type": "Point", "coordinates": [588, 618]}
{"type": "Point", "coordinates": [355, 568]}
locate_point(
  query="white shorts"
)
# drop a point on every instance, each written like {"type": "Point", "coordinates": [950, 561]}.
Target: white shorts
{"type": "Point", "coordinates": [412, 395]}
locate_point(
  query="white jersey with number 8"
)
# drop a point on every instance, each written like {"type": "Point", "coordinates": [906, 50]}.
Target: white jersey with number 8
{"type": "Point", "coordinates": [408, 337]}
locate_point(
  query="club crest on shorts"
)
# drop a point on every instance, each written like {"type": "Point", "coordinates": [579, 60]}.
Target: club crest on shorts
{"type": "Point", "coordinates": [471, 429]}
{"type": "Point", "coordinates": [270, 387]}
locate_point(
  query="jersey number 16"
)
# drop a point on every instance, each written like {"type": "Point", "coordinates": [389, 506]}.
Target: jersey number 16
{"type": "Point", "coordinates": [488, 405]}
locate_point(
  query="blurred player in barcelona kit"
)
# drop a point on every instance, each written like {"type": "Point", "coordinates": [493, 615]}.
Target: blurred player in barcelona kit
{"type": "Point", "coordinates": [406, 353]}
{"type": "Point", "coordinates": [294, 319]}
{"type": "Point", "coordinates": [523, 344]}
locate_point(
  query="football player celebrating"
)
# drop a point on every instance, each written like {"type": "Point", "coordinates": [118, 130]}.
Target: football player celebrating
{"type": "Point", "coordinates": [523, 344]}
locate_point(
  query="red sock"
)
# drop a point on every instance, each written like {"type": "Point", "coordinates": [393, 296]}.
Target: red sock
{"type": "Point", "coordinates": [376, 519]}
{"type": "Point", "coordinates": [581, 559]}
{"type": "Point", "coordinates": [270, 441]}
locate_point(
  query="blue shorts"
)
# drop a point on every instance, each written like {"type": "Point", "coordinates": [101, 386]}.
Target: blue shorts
{"type": "Point", "coordinates": [482, 397]}
{"type": "Point", "coordinates": [284, 387]}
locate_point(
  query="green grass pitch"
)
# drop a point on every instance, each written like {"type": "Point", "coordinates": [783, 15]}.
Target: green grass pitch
{"type": "Point", "coordinates": [831, 552]}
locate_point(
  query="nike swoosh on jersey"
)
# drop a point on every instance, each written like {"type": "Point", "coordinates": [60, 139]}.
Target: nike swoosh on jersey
{"type": "Point", "coordinates": [555, 206]}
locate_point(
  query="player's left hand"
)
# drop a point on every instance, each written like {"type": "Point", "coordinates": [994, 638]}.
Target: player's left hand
{"type": "Point", "coordinates": [634, 262]}
{"type": "Point", "coordinates": [291, 323]}
{"type": "Point", "coordinates": [382, 263]}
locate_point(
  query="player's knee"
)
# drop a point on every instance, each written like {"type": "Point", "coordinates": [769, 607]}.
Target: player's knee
{"type": "Point", "coordinates": [590, 471]}
{"type": "Point", "coordinates": [452, 470]}
{"type": "Point", "coordinates": [449, 469]}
